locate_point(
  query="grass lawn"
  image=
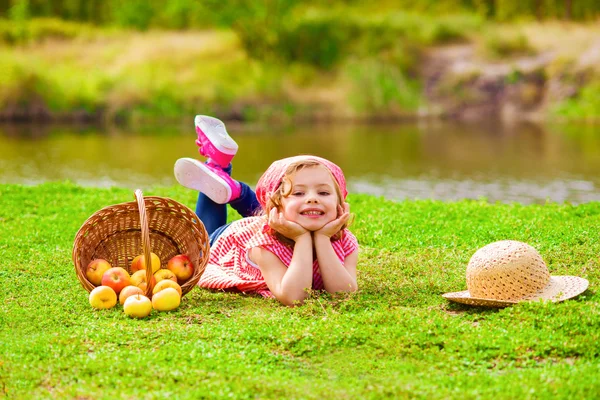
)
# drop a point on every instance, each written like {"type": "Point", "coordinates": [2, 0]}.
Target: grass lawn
{"type": "Point", "coordinates": [395, 338]}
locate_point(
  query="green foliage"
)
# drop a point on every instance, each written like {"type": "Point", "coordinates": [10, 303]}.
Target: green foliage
{"type": "Point", "coordinates": [40, 29]}
{"type": "Point", "coordinates": [395, 338]}
{"type": "Point", "coordinates": [20, 11]}
{"type": "Point", "coordinates": [321, 40]}
{"type": "Point", "coordinates": [106, 79]}
{"type": "Point", "coordinates": [585, 106]}
{"type": "Point", "coordinates": [501, 44]}
{"type": "Point", "coordinates": [200, 14]}
{"type": "Point", "coordinates": [132, 13]}
{"type": "Point", "coordinates": [510, 10]}
{"type": "Point", "coordinates": [324, 38]}
{"type": "Point", "coordinates": [24, 87]}
{"type": "Point", "coordinates": [381, 88]}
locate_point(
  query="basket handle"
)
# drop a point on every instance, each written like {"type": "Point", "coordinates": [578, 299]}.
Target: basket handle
{"type": "Point", "coordinates": [139, 196]}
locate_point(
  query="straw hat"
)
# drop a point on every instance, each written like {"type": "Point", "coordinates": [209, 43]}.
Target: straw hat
{"type": "Point", "coordinates": [508, 272]}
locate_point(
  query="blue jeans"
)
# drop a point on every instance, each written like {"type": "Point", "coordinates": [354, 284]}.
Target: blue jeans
{"type": "Point", "coordinates": [214, 215]}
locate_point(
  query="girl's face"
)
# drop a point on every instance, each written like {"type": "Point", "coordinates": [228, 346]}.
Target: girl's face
{"type": "Point", "coordinates": [312, 201]}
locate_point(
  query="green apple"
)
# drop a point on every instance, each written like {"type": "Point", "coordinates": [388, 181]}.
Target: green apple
{"type": "Point", "coordinates": [166, 300]}
{"type": "Point", "coordinates": [102, 297]}
{"type": "Point", "coordinates": [162, 274]}
{"type": "Point", "coordinates": [138, 279]}
{"type": "Point", "coordinates": [166, 283]}
{"type": "Point", "coordinates": [137, 306]}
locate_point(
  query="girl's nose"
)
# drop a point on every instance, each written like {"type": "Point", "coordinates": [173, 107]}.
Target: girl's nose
{"type": "Point", "coordinates": [311, 198]}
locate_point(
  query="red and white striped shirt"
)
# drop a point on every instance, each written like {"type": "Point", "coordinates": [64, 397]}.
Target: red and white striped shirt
{"type": "Point", "coordinates": [230, 267]}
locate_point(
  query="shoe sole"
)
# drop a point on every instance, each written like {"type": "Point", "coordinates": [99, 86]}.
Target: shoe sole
{"type": "Point", "coordinates": [223, 143]}
{"type": "Point", "coordinates": [194, 175]}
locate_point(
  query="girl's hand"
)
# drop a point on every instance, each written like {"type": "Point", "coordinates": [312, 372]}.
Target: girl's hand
{"type": "Point", "coordinates": [334, 226]}
{"type": "Point", "coordinates": [289, 229]}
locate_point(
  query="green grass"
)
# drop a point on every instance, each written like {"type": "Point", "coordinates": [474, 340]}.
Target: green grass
{"type": "Point", "coordinates": [395, 338]}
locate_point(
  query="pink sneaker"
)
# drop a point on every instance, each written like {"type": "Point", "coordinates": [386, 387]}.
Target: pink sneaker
{"type": "Point", "coordinates": [214, 141]}
{"type": "Point", "coordinates": [208, 179]}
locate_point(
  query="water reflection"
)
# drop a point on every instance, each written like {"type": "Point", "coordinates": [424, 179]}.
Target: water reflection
{"type": "Point", "coordinates": [524, 163]}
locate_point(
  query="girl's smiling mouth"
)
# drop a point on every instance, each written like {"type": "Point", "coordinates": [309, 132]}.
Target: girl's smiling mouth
{"type": "Point", "coordinates": [312, 213]}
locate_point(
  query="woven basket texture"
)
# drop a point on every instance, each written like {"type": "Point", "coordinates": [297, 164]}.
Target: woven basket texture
{"type": "Point", "coordinates": [120, 232]}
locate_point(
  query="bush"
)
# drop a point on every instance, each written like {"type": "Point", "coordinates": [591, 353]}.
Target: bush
{"type": "Point", "coordinates": [585, 106]}
{"type": "Point", "coordinates": [381, 88]}
{"type": "Point", "coordinates": [504, 44]}
{"type": "Point", "coordinates": [39, 29]}
{"type": "Point", "coordinates": [321, 40]}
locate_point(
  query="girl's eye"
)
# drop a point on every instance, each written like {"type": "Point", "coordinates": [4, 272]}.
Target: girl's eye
{"type": "Point", "coordinates": [324, 193]}
{"type": "Point", "coordinates": [297, 193]}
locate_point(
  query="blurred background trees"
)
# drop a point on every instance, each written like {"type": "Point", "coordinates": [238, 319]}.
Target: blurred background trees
{"type": "Point", "coordinates": [150, 57]}
{"type": "Point", "coordinates": [183, 14]}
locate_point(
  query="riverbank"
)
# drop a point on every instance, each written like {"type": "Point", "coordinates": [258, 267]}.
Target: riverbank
{"type": "Point", "coordinates": [456, 68]}
{"type": "Point", "coordinates": [396, 337]}
{"type": "Point", "coordinates": [523, 163]}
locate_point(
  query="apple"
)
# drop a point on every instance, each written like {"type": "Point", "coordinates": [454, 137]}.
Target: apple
{"type": "Point", "coordinates": [95, 269]}
{"type": "Point", "coordinates": [137, 306]}
{"type": "Point", "coordinates": [164, 274]}
{"type": "Point", "coordinates": [138, 279]}
{"type": "Point", "coordinates": [139, 263]}
{"type": "Point", "coordinates": [129, 291]}
{"type": "Point", "coordinates": [117, 278]}
{"type": "Point", "coordinates": [102, 297]}
{"type": "Point", "coordinates": [181, 266]}
{"type": "Point", "coordinates": [166, 300]}
{"type": "Point", "coordinates": [166, 283]}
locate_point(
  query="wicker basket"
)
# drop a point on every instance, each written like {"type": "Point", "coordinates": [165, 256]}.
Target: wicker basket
{"type": "Point", "coordinates": [160, 225]}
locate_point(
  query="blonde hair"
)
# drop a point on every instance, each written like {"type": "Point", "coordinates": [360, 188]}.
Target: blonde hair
{"type": "Point", "coordinates": [285, 188]}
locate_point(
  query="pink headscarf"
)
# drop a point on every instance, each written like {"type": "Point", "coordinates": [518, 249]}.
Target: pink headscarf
{"type": "Point", "coordinates": [269, 182]}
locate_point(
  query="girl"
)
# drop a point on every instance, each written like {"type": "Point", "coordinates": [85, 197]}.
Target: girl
{"type": "Point", "coordinates": [293, 236]}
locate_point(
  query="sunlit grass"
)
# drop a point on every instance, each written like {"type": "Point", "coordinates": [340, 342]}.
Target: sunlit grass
{"type": "Point", "coordinates": [395, 338]}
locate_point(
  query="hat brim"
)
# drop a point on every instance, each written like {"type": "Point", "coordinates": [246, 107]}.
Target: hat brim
{"type": "Point", "coordinates": [559, 288]}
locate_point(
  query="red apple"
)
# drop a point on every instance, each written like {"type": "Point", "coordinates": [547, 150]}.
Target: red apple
{"type": "Point", "coordinates": [103, 297]}
{"type": "Point", "coordinates": [117, 278]}
{"type": "Point", "coordinates": [95, 269]}
{"type": "Point", "coordinates": [139, 263]}
{"type": "Point", "coordinates": [129, 291]}
{"type": "Point", "coordinates": [181, 266]}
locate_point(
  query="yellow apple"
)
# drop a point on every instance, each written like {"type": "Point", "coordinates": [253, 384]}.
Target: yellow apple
{"type": "Point", "coordinates": [139, 263]}
{"type": "Point", "coordinates": [103, 297]}
{"type": "Point", "coordinates": [138, 279]}
{"type": "Point", "coordinates": [95, 269]}
{"type": "Point", "coordinates": [181, 266]}
{"type": "Point", "coordinates": [117, 278]}
{"type": "Point", "coordinates": [166, 300]}
{"type": "Point", "coordinates": [137, 306]}
{"type": "Point", "coordinates": [164, 274]}
{"type": "Point", "coordinates": [129, 291]}
{"type": "Point", "coordinates": [166, 283]}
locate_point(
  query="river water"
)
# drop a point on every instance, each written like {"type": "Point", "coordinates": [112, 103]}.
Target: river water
{"type": "Point", "coordinates": [445, 161]}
